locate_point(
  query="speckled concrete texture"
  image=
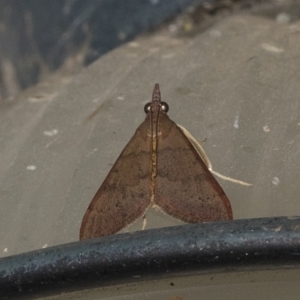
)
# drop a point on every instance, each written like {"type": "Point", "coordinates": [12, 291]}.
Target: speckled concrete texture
{"type": "Point", "coordinates": [235, 85]}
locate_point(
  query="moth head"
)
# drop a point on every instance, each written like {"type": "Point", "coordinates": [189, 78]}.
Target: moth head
{"type": "Point", "coordinates": [164, 107]}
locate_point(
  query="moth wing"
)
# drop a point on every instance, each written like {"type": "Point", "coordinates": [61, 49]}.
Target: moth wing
{"type": "Point", "coordinates": [185, 188]}
{"type": "Point", "coordinates": [125, 193]}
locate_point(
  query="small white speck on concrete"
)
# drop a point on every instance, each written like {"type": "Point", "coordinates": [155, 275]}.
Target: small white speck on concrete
{"type": "Point", "coordinates": [275, 181]}
{"type": "Point", "coordinates": [271, 48]}
{"type": "Point", "coordinates": [133, 44]}
{"type": "Point", "coordinates": [51, 132]}
{"type": "Point", "coordinates": [5, 250]}
{"type": "Point", "coordinates": [236, 122]}
{"type": "Point", "coordinates": [121, 98]}
{"type": "Point", "coordinates": [96, 100]}
{"type": "Point", "coordinates": [266, 128]}
{"type": "Point", "coordinates": [31, 168]}
{"type": "Point", "coordinates": [45, 246]}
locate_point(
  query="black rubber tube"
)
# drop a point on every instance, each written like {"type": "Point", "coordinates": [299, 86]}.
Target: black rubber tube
{"type": "Point", "coordinates": [152, 254]}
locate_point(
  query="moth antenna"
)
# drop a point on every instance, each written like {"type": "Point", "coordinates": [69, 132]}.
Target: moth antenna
{"type": "Point", "coordinates": [156, 93]}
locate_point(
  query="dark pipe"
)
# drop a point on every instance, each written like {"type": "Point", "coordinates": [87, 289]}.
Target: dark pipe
{"type": "Point", "coordinates": [152, 254]}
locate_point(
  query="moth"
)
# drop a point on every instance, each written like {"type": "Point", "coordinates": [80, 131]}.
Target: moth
{"type": "Point", "coordinates": [162, 166]}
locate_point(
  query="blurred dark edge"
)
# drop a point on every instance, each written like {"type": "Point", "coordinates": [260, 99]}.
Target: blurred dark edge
{"type": "Point", "coordinates": [37, 37]}
{"type": "Point", "coordinates": [241, 245]}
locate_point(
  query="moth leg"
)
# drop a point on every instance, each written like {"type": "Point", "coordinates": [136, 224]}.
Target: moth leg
{"type": "Point", "coordinates": [206, 160]}
{"type": "Point", "coordinates": [144, 222]}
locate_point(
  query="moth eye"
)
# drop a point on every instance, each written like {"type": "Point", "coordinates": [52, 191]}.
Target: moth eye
{"type": "Point", "coordinates": [147, 108]}
{"type": "Point", "coordinates": [164, 107]}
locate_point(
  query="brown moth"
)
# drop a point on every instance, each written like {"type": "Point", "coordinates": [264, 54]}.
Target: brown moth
{"type": "Point", "coordinates": [161, 167]}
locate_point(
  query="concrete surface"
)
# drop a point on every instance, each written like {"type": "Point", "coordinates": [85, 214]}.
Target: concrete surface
{"type": "Point", "coordinates": [236, 84]}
